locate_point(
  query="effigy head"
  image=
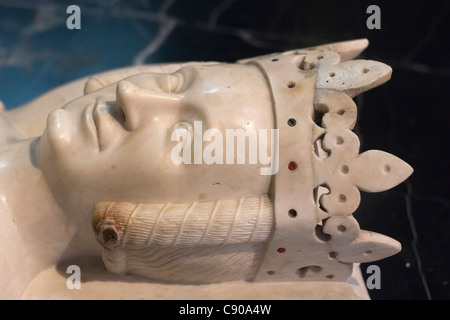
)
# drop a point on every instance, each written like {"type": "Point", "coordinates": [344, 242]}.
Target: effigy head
{"type": "Point", "coordinates": [143, 139]}
{"type": "Point", "coordinates": [223, 172]}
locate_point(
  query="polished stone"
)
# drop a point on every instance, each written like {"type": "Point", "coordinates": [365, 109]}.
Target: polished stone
{"type": "Point", "coordinates": [408, 116]}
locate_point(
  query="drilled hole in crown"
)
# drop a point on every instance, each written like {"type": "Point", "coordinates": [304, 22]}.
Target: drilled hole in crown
{"type": "Point", "coordinates": [319, 57]}
{"type": "Point", "coordinates": [367, 252]}
{"type": "Point", "coordinates": [342, 198]}
{"type": "Point", "coordinates": [341, 112]}
{"type": "Point", "coordinates": [365, 70]}
{"type": "Point", "coordinates": [291, 122]}
{"type": "Point", "coordinates": [345, 169]}
{"type": "Point", "coordinates": [275, 60]}
{"type": "Point", "coordinates": [387, 168]}
{"type": "Point", "coordinates": [270, 272]}
{"type": "Point", "coordinates": [329, 276]}
{"type": "Point", "coordinates": [292, 213]}
{"type": "Point", "coordinates": [339, 140]}
{"type": "Point", "coordinates": [332, 255]}
{"type": "Point", "coordinates": [332, 74]}
{"type": "Point", "coordinates": [291, 85]}
{"type": "Point", "coordinates": [341, 228]}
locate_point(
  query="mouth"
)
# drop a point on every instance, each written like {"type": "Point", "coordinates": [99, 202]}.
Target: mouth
{"type": "Point", "coordinates": [108, 123]}
{"type": "Point", "coordinates": [89, 123]}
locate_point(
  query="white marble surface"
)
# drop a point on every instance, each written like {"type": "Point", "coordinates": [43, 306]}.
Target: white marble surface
{"type": "Point", "coordinates": [50, 284]}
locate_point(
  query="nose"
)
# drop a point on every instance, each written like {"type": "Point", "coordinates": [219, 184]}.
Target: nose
{"type": "Point", "coordinates": [140, 101]}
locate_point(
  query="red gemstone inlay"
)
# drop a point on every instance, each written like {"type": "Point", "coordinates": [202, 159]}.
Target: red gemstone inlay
{"type": "Point", "coordinates": [281, 250]}
{"type": "Point", "coordinates": [292, 165]}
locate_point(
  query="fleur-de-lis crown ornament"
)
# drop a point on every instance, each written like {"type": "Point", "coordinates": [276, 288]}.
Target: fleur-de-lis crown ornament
{"type": "Point", "coordinates": [321, 171]}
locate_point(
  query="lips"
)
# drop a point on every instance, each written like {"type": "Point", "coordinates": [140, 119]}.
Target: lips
{"type": "Point", "coordinates": [108, 128]}
{"type": "Point", "coordinates": [88, 123]}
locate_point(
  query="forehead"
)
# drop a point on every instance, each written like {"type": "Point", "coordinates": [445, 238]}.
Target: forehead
{"type": "Point", "coordinates": [225, 72]}
{"type": "Point", "coordinates": [228, 81]}
{"type": "Point", "coordinates": [214, 78]}
{"type": "Point", "coordinates": [227, 96]}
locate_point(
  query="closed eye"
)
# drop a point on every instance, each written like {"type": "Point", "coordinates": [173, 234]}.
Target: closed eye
{"type": "Point", "coordinates": [174, 82]}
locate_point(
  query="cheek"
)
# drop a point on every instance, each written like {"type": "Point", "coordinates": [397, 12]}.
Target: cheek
{"type": "Point", "coordinates": [216, 100]}
{"type": "Point", "coordinates": [143, 154]}
{"type": "Point", "coordinates": [133, 179]}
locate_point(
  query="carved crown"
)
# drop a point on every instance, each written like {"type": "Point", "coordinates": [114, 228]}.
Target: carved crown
{"type": "Point", "coordinates": [316, 190]}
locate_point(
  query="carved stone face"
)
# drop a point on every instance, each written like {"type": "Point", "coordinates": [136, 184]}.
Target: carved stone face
{"type": "Point", "coordinates": [116, 143]}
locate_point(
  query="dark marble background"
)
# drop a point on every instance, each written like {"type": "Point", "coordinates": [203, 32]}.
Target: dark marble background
{"type": "Point", "coordinates": [408, 116]}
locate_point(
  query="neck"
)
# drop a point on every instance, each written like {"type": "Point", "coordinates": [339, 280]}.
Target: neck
{"type": "Point", "coordinates": [36, 232]}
